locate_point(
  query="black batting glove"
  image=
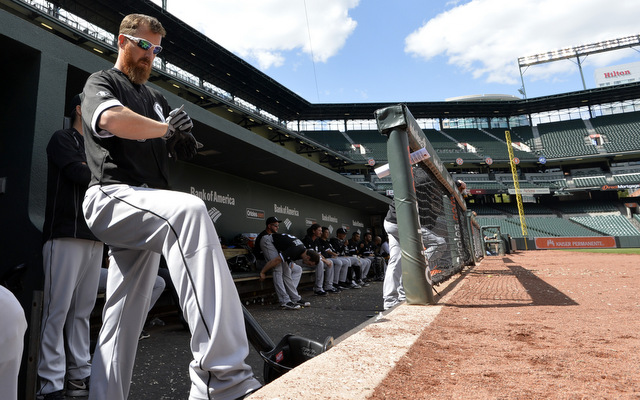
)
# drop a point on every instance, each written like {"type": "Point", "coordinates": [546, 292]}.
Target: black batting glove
{"type": "Point", "coordinates": [183, 146]}
{"type": "Point", "coordinates": [178, 121]}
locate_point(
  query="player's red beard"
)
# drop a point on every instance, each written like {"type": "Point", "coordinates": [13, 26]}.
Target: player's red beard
{"type": "Point", "coordinates": [138, 70]}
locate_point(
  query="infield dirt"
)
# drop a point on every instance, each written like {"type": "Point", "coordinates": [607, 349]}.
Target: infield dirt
{"type": "Point", "coordinates": [530, 325]}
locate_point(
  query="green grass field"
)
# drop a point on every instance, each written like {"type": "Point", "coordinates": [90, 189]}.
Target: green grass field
{"type": "Point", "coordinates": [613, 251]}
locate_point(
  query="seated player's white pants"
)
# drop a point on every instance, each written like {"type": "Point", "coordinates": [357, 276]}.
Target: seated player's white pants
{"type": "Point", "coordinates": [286, 276]}
{"type": "Point", "coordinates": [346, 263]}
{"type": "Point", "coordinates": [71, 275]}
{"type": "Point", "coordinates": [366, 265]}
{"type": "Point", "coordinates": [139, 224]}
{"type": "Point", "coordinates": [324, 275]}
{"type": "Point", "coordinates": [12, 329]}
{"type": "Point", "coordinates": [392, 289]}
{"type": "Point", "coordinates": [326, 283]}
{"type": "Point", "coordinates": [339, 266]}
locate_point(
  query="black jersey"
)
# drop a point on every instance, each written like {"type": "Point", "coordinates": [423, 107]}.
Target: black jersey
{"type": "Point", "coordinates": [338, 246]}
{"type": "Point", "coordinates": [113, 159]}
{"type": "Point", "coordinates": [313, 244]}
{"type": "Point", "coordinates": [352, 248]}
{"type": "Point", "coordinates": [67, 180]}
{"type": "Point", "coordinates": [367, 249]}
{"type": "Point", "coordinates": [325, 247]}
{"type": "Point", "coordinates": [257, 246]}
{"type": "Point", "coordinates": [289, 246]}
{"type": "Point", "coordinates": [391, 214]}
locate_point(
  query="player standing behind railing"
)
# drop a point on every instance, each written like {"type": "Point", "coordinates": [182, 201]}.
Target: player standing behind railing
{"type": "Point", "coordinates": [392, 289]}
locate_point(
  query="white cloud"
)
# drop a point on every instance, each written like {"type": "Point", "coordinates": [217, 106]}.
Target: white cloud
{"type": "Point", "coordinates": [486, 37]}
{"type": "Point", "coordinates": [264, 30]}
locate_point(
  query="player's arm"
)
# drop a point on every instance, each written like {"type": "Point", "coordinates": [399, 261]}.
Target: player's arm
{"type": "Point", "coordinates": [127, 124]}
{"type": "Point", "coordinates": [269, 266]}
{"type": "Point", "coordinates": [64, 152]}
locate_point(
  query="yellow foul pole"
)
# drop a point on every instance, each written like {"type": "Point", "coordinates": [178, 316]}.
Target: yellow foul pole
{"type": "Point", "coordinates": [516, 186]}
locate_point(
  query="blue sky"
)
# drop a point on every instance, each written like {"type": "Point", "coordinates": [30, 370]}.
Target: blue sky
{"type": "Point", "coordinates": [413, 50]}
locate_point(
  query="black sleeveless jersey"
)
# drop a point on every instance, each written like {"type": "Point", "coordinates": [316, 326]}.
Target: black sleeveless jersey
{"type": "Point", "coordinates": [113, 159]}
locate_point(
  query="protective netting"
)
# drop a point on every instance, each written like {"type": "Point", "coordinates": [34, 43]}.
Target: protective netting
{"type": "Point", "coordinates": [445, 231]}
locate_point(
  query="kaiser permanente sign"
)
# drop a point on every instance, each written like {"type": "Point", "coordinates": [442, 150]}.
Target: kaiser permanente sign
{"type": "Point", "coordinates": [587, 242]}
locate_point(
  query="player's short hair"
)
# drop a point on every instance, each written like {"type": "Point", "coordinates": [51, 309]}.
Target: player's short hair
{"type": "Point", "coordinates": [314, 257]}
{"type": "Point", "coordinates": [131, 23]}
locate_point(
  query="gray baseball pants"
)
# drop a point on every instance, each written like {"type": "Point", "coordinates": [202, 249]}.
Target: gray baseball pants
{"type": "Point", "coordinates": [139, 224]}
{"type": "Point", "coordinates": [71, 274]}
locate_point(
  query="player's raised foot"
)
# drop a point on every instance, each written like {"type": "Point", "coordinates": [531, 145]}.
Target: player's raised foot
{"type": "Point", "coordinates": [290, 306]}
{"type": "Point", "coordinates": [303, 303]}
{"type": "Point", "coordinates": [59, 395]}
{"type": "Point", "coordinates": [143, 335]}
{"type": "Point", "coordinates": [244, 396]}
{"type": "Point", "coordinates": [77, 388]}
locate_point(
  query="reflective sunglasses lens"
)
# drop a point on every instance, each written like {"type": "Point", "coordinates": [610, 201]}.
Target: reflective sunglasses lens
{"type": "Point", "coordinates": [157, 49]}
{"type": "Point", "coordinates": [143, 44]}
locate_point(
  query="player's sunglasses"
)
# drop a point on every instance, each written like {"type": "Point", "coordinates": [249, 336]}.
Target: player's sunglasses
{"type": "Point", "coordinates": [144, 44]}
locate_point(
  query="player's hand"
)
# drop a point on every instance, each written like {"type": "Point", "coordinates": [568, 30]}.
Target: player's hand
{"type": "Point", "coordinates": [178, 121]}
{"type": "Point", "coordinates": [263, 276]}
{"type": "Point", "coordinates": [183, 145]}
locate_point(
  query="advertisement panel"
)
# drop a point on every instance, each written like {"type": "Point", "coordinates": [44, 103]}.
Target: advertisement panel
{"type": "Point", "coordinates": [617, 74]}
{"type": "Point", "coordinates": [586, 242]}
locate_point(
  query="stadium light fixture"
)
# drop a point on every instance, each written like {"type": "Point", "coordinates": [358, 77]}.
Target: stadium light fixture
{"type": "Point", "coordinates": [575, 52]}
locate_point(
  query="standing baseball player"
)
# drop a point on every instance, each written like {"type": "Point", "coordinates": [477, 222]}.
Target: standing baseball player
{"type": "Point", "coordinates": [435, 246]}
{"type": "Point", "coordinates": [72, 257]}
{"type": "Point", "coordinates": [131, 132]}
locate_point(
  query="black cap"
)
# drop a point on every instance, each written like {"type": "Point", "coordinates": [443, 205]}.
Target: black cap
{"type": "Point", "coordinates": [272, 220]}
{"type": "Point", "coordinates": [341, 230]}
{"type": "Point", "coordinates": [72, 109]}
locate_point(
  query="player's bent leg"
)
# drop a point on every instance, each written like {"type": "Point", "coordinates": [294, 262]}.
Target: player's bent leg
{"type": "Point", "coordinates": [288, 280]}
{"type": "Point", "coordinates": [279, 284]}
{"type": "Point", "coordinates": [296, 275]}
{"type": "Point", "coordinates": [178, 225]}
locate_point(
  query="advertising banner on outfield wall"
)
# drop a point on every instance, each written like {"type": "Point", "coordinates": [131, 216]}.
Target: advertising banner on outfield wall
{"type": "Point", "coordinates": [587, 242]}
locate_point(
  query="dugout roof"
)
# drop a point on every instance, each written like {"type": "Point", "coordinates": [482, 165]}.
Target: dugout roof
{"type": "Point", "coordinates": [194, 52]}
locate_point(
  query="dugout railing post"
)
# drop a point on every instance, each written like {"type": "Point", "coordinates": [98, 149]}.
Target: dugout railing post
{"type": "Point", "coordinates": [395, 122]}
